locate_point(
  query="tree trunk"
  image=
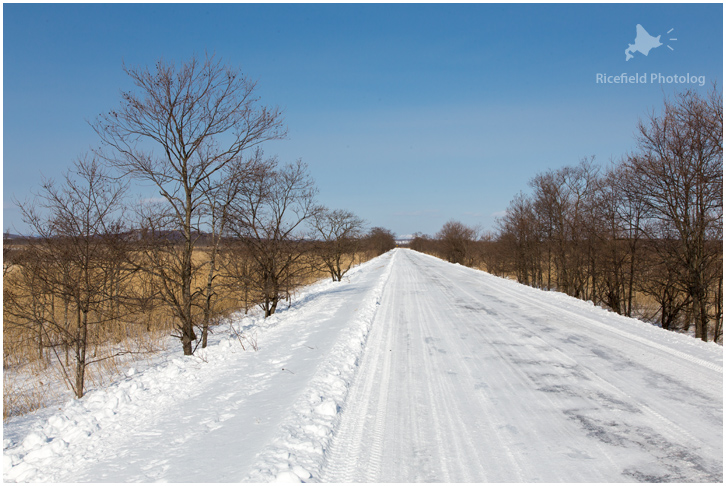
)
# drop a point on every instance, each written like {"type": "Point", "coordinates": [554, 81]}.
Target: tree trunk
{"type": "Point", "coordinates": [631, 281]}
{"type": "Point", "coordinates": [208, 297]}
{"type": "Point", "coordinates": [187, 324]}
{"type": "Point", "coordinates": [188, 336]}
{"type": "Point", "coordinates": [205, 322]}
{"type": "Point", "coordinates": [718, 326]}
{"type": "Point", "coordinates": [81, 341]}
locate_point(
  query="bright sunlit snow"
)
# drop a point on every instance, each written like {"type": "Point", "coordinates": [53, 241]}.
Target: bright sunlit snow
{"type": "Point", "coordinates": [411, 369]}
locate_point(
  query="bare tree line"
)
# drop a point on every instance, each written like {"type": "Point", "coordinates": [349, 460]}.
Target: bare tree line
{"type": "Point", "coordinates": [644, 229]}
{"type": "Point", "coordinates": [230, 228]}
{"type": "Point", "coordinates": [455, 242]}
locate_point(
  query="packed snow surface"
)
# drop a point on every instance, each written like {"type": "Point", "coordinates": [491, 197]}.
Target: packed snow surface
{"type": "Point", "coordinates": [411, 369]}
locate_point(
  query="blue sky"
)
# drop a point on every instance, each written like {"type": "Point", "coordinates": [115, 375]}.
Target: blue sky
{"type": "Point", "coordinates": [407, 114]}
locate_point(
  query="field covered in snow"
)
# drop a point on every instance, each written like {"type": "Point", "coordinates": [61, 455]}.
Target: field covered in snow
{"type": "Point", "coordinates": [411, 369]}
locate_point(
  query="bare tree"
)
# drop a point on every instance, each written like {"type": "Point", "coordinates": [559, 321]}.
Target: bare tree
{"type": "Point", "coordinates": [580, 184]}
{"type": "Point", "coordinates": [678, 171]}
{"type": "Point", "coordinates": [178, 131]}
{"type": "Point", "coordinates": [520, 236]}
{"type": "Point", "coordinates": [72, 259]}
{"type": "Point", "coordinates": [456, 241]}
{"type": "Point", "coordinates": [662, 279]}
{"type": "Point", "coordinates": [630, 213]}
{"type": "Point", "coordinates": [269, 217]}
{"type": "Point", "coordinates": [608, 243]}
{"type": "Point", "coordinates": [421, 243]}
{"type": "Point", "coordinates": [652, 224]}
{"type": "Point", "coordinates": [549, 205]}
{"type": "Point", "coordinates": [219, 200]}
{"type": "Point", "coordinates": [26, 302]}
{"type": "Point", "coordinates": [563, 201]}
{"type": "Point", "coordinates": [380, 240]}
{"type": "Point", "coordinates": [339, 234]}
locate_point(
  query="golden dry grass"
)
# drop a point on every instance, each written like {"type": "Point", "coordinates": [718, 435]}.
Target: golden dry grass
{"type": "Point", "coordinates": [137, 335]}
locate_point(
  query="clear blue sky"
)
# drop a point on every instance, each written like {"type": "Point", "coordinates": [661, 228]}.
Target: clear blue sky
{"type": "Point", "coordinates": [408, 115]}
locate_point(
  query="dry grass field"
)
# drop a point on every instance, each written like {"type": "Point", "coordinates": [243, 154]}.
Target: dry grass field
{"type": "Point", "coordinates": [36, 356]}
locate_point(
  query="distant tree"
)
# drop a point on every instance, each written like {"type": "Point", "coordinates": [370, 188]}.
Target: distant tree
{"type": "Point", "coordinates": [519, 237]}
{"type": "Point", "coordinates": [563, 202]}
{"type": "Point", "coordinates": [339, 234]}
{"type": "Point", "coordinates": [608, 254]}
{"type": "Point", "coordinates": [489, 252]}
{"type": "Point", "coordinates": [630, 213]}
{"type": "Point", "coordinates": [661, 280]}
{"type": "Point", "coordinates": [200, 117]}
{"type": "Point", "coordinates": [580, 187]}
{"type": "Point", "coordinates": [549, 207]}
{"type": "Point", "coordinates": [422, 243]}
{"type": "Point", "coordinates": [380, 240]}
{"type": "Point", "coordinates": [457, 242]}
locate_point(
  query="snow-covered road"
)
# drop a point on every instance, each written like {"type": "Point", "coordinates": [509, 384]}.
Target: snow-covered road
{"type": "Point", "coordinates": [223, 415]}
{"type": "Point", "coordinates": [467, 377]}
{"type": "Point", "coordinates": [412, 369]}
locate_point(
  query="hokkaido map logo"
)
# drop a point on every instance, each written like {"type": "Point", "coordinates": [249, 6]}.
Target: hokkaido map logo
{"type": "Point", "coordinates": [643, 44]}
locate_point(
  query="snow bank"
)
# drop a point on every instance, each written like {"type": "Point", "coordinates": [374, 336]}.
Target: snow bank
{"type": "Point", "coordinates": [707, 354]}
{"type": "Point", "coordinates": [74, 430]}
{"type": "Point", "coordinates": [43, 448]}
{"type": "Point", "coordinates": [297, 454]}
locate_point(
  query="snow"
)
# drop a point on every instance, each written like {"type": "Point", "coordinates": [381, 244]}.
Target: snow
{"type": "Point", "coordinates": [411, 369]}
